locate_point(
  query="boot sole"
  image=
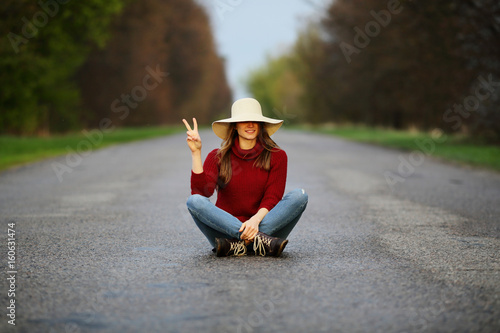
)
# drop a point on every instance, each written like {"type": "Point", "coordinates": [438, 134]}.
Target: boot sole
{"type": "Point", "coordinates": [282, 247]}
{"type": "Point", "coordinates": [218, 251]}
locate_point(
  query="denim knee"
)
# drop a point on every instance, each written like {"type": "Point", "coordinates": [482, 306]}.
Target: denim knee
{"type": "Point", "coordinates": [195, 201]}
{"type": "Point", "coordinates": [298, 195]}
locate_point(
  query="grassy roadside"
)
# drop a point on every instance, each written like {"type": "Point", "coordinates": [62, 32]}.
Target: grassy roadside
{"type": "Point", "coordinates": [20, 150]}
{"type": "Point", "coordinates": [452, 147]}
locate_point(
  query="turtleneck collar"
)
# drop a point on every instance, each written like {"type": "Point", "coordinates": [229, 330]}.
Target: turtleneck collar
{"type": "Point", "coordinates": [247, 154]}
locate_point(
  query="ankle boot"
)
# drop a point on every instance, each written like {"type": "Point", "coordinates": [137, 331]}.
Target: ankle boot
{"type": "Point", "coordinates": [266, 245]}
{"type": "Point", "coordinates": [229, 247]}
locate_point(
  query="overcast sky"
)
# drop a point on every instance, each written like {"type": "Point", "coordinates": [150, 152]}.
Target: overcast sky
{"type": "Point", "coordinates": [246, 31]}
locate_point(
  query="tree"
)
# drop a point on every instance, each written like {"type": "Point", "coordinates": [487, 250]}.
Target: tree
{"type": "Point", "coordinates": [399, 64]}
{"type": "Point", "coordinates": [172, 36]}
{"type": "Point", "coordinates": [66, 65]}
{"type": "Point", "coordinates": [43, 46]}
{"type": "Point", "coordinates": [277, 88]}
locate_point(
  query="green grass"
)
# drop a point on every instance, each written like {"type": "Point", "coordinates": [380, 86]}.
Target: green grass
{"type": "Point", "coordinates": [452, 147]}
{"type": "Point", "coordinates": [16, 151]}
{"type": "Point", "coordinates": [20, 150]}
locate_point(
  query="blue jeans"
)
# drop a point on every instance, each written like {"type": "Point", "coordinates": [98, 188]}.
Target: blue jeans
{"type": "Point", "coordinates": [217, 223]}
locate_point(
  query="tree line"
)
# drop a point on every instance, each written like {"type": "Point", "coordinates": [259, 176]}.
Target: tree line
{"type": "Point", "coordinates": [396, 64]}
{"type": "Point", "coordinates": [67, 65]}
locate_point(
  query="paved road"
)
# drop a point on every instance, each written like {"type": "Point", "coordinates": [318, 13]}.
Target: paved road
{"type": "Point", "coordinates": [111, 248]}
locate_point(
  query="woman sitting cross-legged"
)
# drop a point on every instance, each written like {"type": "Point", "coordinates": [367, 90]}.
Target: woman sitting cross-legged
{"type": "Point", "coordinates": [249, 174]}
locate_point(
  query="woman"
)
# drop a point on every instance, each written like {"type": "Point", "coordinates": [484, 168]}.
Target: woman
{"type": "Point", "coordinates": [249, 174]}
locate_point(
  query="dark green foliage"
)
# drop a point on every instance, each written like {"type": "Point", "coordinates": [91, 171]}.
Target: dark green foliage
{"type": "Point", "coordinates": [42, 45]}
{"type": "Point", "coordinates": [64, 62]}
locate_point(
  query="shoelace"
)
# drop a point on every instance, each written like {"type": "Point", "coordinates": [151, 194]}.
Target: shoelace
{"type": "Point", "coordinates": [259, 245]}
{"type": "Point", "coordinates": [239, 248]}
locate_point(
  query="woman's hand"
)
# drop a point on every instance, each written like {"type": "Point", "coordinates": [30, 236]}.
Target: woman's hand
{"type": "Point", "coordinates": [194, 143]}
{"type": "Point", "coordinates": [250, 228]}
{"type": "Point", "coordinates": [193, 137]}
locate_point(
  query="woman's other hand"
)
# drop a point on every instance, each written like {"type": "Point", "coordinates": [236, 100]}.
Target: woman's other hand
{"type": "Point", "coordinates": [250, 228]}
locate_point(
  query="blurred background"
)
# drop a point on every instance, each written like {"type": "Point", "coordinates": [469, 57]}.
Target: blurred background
{"type": "Point", "coordinates": [419, 65]}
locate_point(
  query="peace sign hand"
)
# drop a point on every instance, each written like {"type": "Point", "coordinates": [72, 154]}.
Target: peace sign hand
{"type": "Point", "coordinates": [193, 137]}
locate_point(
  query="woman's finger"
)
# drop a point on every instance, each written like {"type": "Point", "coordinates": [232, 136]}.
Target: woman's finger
{"type": "Point", "coordinates": [187, 124]}
{"type": "Point", "coordinates": [195, 124]}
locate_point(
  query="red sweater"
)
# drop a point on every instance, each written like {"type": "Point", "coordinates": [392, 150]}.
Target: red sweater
{"type": "Point", "coordinates": [250, 188]}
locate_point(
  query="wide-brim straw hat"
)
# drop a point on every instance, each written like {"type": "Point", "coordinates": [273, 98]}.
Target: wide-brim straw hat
{"type": "Point", "coordinates": [243, 110]}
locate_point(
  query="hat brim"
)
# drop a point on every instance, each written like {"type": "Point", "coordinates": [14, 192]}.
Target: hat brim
{"type": "Point", "coordinates": [220, 127]}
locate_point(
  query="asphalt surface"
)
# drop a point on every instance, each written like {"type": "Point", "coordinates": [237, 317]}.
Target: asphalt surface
{"type": "Point", "coordinates": [112, 248]}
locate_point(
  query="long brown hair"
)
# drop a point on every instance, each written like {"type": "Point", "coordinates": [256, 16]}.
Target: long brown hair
{"type": "Point", "coordinates": [224, 153]}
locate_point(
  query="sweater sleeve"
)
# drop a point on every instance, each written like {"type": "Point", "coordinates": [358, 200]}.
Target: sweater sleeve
{"type": "Point", "coordinates": [204, 183]}
{"type": "Point", "coordinates": [276, 182]}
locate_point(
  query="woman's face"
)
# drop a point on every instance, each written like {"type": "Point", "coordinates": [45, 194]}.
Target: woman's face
{"type": "Point", "coordinates": [248, 130]}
